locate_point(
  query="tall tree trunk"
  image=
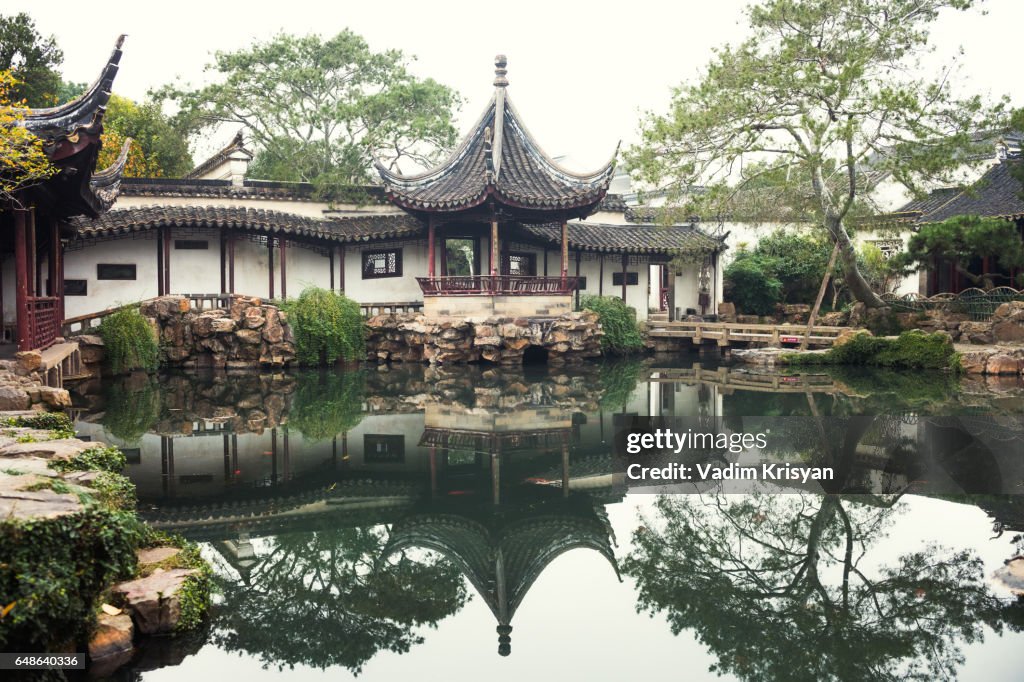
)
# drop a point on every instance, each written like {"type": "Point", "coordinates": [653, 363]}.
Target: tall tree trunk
{"type": "Point", "coordinates": [855, 282]}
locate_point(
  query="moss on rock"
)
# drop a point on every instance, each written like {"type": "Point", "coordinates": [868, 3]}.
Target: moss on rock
{"type": "Point", "coordinates": [910, 350]}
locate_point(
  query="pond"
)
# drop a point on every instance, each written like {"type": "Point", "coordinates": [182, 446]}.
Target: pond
{"type": "Point", "coordinates": [475, 523]}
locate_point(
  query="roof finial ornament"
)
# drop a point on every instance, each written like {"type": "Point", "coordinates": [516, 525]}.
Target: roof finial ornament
{"type": "Point", "coordinates": [500, 62]}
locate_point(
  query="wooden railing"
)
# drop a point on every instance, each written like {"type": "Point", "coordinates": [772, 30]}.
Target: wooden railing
{"type": "Point", "coordinates": [372, 309]}
{"type": "Point", "coordinates": [490, 285]}
{"type": "Point", "coordinates": [84, 324]}
{"type": "Point", "coordinates": [726, 333]}
{"type": "Point", "coordinates": [43, 320]}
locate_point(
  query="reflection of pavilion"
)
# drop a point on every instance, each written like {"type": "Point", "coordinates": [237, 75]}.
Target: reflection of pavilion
{"type": "Point", "coordinates": [503, 552]}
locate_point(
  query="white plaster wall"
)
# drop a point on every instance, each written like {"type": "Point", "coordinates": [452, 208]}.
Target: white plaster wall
{"type": "Point", "coordinates": [251, 269]}
{"type": "Point", "coordinates": [81, 264]}
{"type": "Point", "coordinates": [386, 289]}
{"type": "Point", "coordinates": [195, 271]}
{"type": "Point", "coordinates": [305, 268]}
{"type": "Point", "coordinates": [303, 207]}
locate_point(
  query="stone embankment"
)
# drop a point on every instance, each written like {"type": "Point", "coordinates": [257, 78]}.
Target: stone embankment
{"type": "Point", "coordinates": [416, 338]}
{"type": "Point", "coordinates": [22, 387]}
{"type": "Point", "coordinates": [71, 538]}
{"type": "Point", "coordinates": [249, 333]}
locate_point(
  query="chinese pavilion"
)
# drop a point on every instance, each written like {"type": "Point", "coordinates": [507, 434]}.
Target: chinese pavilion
{"type": "Point", "coordinates": [497, 180]}
{"type": "Point", "coordinates": [38, 222]}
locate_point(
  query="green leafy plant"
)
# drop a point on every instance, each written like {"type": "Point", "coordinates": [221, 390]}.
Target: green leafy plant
{"type": "Point", "coordinates": [129, 342]}
{"type": "Point", "coordinates": [327, 326]}
{"type": "Point", "coordinates": [94, 459]}
{"type": "Point", "coordinates": [58, 423]}
{"type": "Point", "coordinates": [751, 284]}
{"type": "Point", "coordinates": [131, 412]}
{"type": "Point", "coordinates": [621, 333]}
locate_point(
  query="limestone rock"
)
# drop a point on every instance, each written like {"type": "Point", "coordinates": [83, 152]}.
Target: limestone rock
{"type": "Point", "coordinates": [1002, 364]}
{"type": "Point", "coordinates": [155, 555]}
{"type": "Point", "coordinates": [154, 601]}
{"type": "Point", "coordinates": [55, 397]}
{"type": "Point", "coordinates": [14, 398]}
{"type": "Point", "coordinates": [111, 639]}
{"type": "Point", "coordinates": [848, 335]}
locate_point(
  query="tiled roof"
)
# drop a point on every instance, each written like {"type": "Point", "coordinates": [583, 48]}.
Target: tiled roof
{"type": "Point", "coordinates": [996, 195]}
{"type": "Point", "coordinates": [659, 239]}
{"type": "Point", "coordinates": [339, 229]}
{"type": "Point", "coordinates": [499, 159]}
{"type": "Point", "coordinates": [223, 189]}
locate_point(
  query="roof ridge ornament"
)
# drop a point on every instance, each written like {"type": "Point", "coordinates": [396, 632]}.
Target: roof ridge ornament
{"type": "Point", "coordinates": [500, 62]}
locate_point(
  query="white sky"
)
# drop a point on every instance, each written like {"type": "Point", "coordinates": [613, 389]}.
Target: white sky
{"type": "Point", "coordinates": [580, 73]}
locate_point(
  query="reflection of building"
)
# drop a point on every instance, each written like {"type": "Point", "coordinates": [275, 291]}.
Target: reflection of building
{"type": "Point", "coordinates": [503, 552]}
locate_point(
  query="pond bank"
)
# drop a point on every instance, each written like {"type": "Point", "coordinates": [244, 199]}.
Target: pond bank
{"type": "Point", "coordinates": [80, 571]}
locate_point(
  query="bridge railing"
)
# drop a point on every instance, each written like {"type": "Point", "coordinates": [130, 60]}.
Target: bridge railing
{"type": "Point", "coordinates": [372, 309]}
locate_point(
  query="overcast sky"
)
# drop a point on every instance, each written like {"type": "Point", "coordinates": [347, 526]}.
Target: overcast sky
{"type": "Point", "coordinates": [580, 73]}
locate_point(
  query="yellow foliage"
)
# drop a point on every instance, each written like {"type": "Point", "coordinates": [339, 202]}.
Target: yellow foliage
{"type": "Point", "coordinates": [23, 162]}
{"type": "Point", "coordinates": [137, 165]}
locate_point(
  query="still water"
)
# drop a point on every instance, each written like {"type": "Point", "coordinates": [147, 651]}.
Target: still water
{"type": "Point", "coordinates": [473, 523]}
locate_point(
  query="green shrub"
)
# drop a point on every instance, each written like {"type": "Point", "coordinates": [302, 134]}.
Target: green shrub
{"type": "Point", "coordinates": [621, 332]}
{"type": "Point", "coordinates": [57, 423]}
{"type": "Point", "coordinates": [129, 342]}
{"type": "Point", "coordinates": [53, 570]}
{"type": "Point", "coordinates": [750, 283]}
{"type": "Point", "coordinates": [115, 491]}
{"type": "Point", "coordinates": [618, 381]}
{"type": "Point", "coordinates": [327, 326]}
{"type": "Point", "coordinates": [910, 350]}
{"type": "Point", "coordinates": [195, 592]}
{"type": "Point", "coordinates": [94, 459]}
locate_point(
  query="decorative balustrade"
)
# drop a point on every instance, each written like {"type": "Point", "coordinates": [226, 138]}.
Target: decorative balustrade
{"type": "Point", "coordinates": [493, 285]}
{"type": "Point", "coordinates": [978, 304]}
{"type": "Point", "coordinates": [43, 320]}
{"type": "Point", "coordinates": [84, 324]}
{"type": "Point", "coordinates": [372, 309]}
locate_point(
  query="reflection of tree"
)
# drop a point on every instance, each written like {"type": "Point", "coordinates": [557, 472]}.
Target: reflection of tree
{"type": "Point", "coordinates": [328, 404]}
{"type": "Point", "coordinates": [323, 599]}
{"type": "Point", "coordinates": [776, 586]}
{"type": "Point", "coordinates": [131, 409]}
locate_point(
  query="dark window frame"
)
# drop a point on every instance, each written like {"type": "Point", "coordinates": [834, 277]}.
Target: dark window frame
{"type": "Point", "coordinates": [72, 290]}
{"type": "Point", "coordinates": [632, 279]}
{"type": "Point", "coordinates": [368, 255]}
{"type": "Point", "coordinates": [394, 444]}
{"type": "Point", "coordinates": [192, 244]}
{"type": "Point", "coordinates": [522, 256]}
{"type": "Point", "coordinates": [133, 266]}
{"type": "Point", "coordinates": [581, 283]}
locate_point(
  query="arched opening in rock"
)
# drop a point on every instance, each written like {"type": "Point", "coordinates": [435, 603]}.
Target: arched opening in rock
{"type": "Point", "coordinates": [535, 355]}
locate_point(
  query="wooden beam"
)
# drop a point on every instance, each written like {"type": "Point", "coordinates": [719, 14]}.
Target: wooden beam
{"type": "Point", "coordinates": [579, 257]}
{"type": "Point", "coordinates": [167, 260]}
{"type": "Point", "coordinates": [495, 252]}
{"type": "Point", "coordinates": [270, 264]}
{"type": "Point", "coordinates": [430, 246]}
{"type": "Point", "coordinates": [30, 237]}
{"type": "Point", "coordinates": [160, 261]}
{"type": "Point", "coordinates": [231, 262]}
{"type": "Point", "coordinates": [341, 270]}
{"type": "Point", "coordinates": [565, 250]}
{"type": "Point", "coordinates": [625, 264]}
{"type": "Point", "coordinates": [282, 246]}
{"type": "Point", "coordinates": [330, 263]}
{"type": "Point", "coordinates": [600, 275]}
{"type": "Point", "coordinates": [223, 268]}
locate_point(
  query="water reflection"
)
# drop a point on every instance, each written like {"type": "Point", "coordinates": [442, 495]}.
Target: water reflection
{"type": "Point", "coordinates": [787, 588]}
{"type": "Point", "coordinates": [363, 508]}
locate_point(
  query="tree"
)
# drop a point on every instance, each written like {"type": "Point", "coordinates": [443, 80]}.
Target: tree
{"type": "Point", "coordinates": [321, 110]}
{"type": "Point", "coordinates": [23, 162]}
{"type": "Point", "coordinates": [778, 587]}
{"type": "Point", "coordinates": [158, 148]}
{"type": "Point", "coordinates": [821, 100]}
{"type": "Point", "coordinates": [324, 598]}
{"type": "Point", "coordinates": [962, 239]}
{"type": "Point", "coordinates": [33, 59]}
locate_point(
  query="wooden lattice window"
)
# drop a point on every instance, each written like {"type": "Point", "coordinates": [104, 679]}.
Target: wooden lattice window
{"type": "Point", "coordinates": [524, 264]}
{"type": "Point", "coordinates": [380, 448]}
{"type": "Point", "coordinates": [382, 263]}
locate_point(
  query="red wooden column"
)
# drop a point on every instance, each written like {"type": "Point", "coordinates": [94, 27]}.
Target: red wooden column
{"type": "Point", "coordinates": [231, 262]}
{"type": "Point", "coordinates": [281, 243]}
{"type": "Point", "coordinates": [21, 278]}
{"type": "Point", "coordinates": [341, 270]}
{"type": "Point", "coordinates": [167, 260]}
{"type": "Point", "coordinates": [270, 263]}
{"type": "Point", "coordinates": [625, 264]}
{"type": "Point", "coordinates": [565, 251]}
{"type": "Point", "coordinates": [160, 261]}
{"type": "Point", "coordinates": [330, 263]}
{"type": "Point", "coordinates": [430, 247]}
{"type": "Point", "coordinates": [31, 254]}
{"type": "Point", "coordinates": [223, 267]}
{"type": "Point", "coordinates": [579, 257]}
